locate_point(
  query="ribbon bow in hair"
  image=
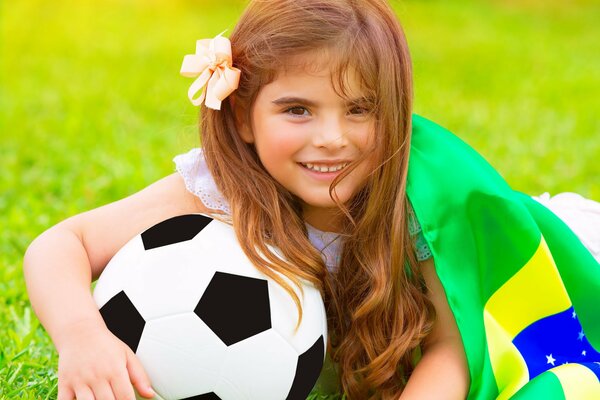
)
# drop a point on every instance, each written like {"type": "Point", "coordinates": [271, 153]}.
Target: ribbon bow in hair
{"type": "Point", "coordinates": [213, 66]}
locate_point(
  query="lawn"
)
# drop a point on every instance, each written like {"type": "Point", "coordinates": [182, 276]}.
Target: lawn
{"type": "Point", "coordinates": [92, 109]}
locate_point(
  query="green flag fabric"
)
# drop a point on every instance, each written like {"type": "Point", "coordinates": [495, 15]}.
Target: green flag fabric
{"type": "Point", "coordinates": [520, 284]}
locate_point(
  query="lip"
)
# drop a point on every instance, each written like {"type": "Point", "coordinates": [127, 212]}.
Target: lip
{"type": "Point", "coordinates": [325, 162]}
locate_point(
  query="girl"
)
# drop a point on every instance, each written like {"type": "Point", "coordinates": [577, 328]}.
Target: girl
{"type": "Point", "coordinates": [306, 130]}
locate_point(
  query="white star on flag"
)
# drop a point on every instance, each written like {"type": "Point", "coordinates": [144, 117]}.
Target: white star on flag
{"type": "Point", "coordinates": [584, 353]}
{"type": "Point", "coordinates": [574, 315]}
{"type": "Point", "coordinates": [550, 359]}
{"type": "Point", "coordinates": [580, 335]}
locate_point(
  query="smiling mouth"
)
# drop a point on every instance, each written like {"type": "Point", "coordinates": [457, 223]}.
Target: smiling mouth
{"type": "Point", "coordinates": [322, 168]}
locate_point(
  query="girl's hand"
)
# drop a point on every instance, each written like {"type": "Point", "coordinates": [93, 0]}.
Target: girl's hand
{"type": "Point", "coordinates": [95, 364]}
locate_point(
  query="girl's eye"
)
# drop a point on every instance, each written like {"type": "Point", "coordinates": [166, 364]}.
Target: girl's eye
{"type": "Point", "coordinates": [296, 111]}
{"type": "Point", "coordinates": [359, 111]}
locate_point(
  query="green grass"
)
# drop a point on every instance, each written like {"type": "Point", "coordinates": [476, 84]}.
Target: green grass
{"type": "Point", "coordinates": [92, 109]}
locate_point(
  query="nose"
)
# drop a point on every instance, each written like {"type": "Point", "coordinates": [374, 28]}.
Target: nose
{"type": "Point", "coordinates": [330, 133]}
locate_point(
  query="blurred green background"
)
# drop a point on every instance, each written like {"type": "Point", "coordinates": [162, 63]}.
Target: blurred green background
{"type": "Point", "coordinates": [92, 109]}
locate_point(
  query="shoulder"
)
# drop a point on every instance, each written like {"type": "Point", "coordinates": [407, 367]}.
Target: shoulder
{"type": "Point", "coordinates": [172, 188]}
{"type": "Point", "coordinates": [198, 180]}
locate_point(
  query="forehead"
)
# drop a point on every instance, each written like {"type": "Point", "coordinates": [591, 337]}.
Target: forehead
{"type": "Point", "coordinates": [316, 70]}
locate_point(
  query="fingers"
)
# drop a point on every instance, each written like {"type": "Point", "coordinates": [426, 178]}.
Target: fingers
{"type": "Point", "coordinates": [84, 393]}
{"type": "Point", "coordinates": [65, 392]}
{"type": "Point", "coordinates": [138, 376]}
{"type": "Point", "coordinates": [118, 389]}
{"type": "Point", "coordinates": [122, 387]}
{"type": "Point", "coordinates": [102, 391]}
{"type": "Point", "coordinates": [121, 390]}
{"type": "Point", "coordinates": [113, 377]}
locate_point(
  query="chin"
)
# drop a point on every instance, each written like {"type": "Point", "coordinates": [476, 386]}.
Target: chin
{"type": "Point", "coordinates": [321, 202]}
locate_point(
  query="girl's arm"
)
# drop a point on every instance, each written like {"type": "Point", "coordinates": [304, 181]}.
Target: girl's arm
{"type": "Point", "coordinates": [442, 372]}
{"type": "Point", "coordinates": [59, 266]}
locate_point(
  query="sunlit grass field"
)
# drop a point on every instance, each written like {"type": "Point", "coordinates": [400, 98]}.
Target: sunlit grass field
{"type": "Point", "coordinates": [92, 109]}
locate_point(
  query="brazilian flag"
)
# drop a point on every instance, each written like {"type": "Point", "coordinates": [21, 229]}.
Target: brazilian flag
{"type": "Point", "coordinates": [523, 289]}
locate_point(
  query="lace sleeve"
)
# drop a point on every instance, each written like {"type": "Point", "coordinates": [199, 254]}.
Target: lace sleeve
{"type": "Point", "coordinates": [199, 181]}
{"type": "Point", "coordinates": [414, 228]}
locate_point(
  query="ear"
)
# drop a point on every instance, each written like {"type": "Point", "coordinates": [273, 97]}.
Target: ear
{"type": "Point", "coordinates": [241, 123]}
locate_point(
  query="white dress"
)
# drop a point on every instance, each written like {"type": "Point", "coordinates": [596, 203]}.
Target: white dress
{"type": "Point", "coordinates": [580, 214]}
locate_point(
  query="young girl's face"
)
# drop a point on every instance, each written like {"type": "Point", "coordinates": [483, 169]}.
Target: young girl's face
{"type": "Point", "coordinates": [305, 135]}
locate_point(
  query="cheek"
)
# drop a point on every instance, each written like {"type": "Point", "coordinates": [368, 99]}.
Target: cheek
{"type": "Point", "coordinates": [276, 143]}
{"type": "Point", "coordinates": [365, 141]}
{"type": "Point", "coordinates": [367, 136]}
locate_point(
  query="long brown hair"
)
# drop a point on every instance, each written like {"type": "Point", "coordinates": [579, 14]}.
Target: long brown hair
{"type": "Point", "coordinates": [377, 310]}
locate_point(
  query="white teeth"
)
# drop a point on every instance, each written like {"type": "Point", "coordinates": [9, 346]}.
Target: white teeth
{"type": "Point", "coordinates": [324, 168]}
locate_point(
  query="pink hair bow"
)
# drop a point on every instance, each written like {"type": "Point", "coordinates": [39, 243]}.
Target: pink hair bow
{"type": "Point", "coordinates": [213, 66]}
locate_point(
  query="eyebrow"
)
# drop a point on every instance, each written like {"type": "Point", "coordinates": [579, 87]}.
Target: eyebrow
{"type": "Point", "coordinates": [296, 100]}
{"type": "Point", "coordinates": [293, 100]}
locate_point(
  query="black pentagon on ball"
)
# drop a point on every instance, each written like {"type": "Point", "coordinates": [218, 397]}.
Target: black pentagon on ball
{"type": "Point", "coordinates": [308, 370]}
{"type": "Point", "coordinates": [174, 230]}
{"type": "Point", "coordinates": [206, 396]}
{"type": "Point", "coordinates": [123, 320]}
{"type": "Point", "coordinates": [235, 307]}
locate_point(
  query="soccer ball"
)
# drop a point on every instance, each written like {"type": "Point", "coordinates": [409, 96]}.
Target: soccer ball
{"type": "Point", "coordinates": [204, 322]}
